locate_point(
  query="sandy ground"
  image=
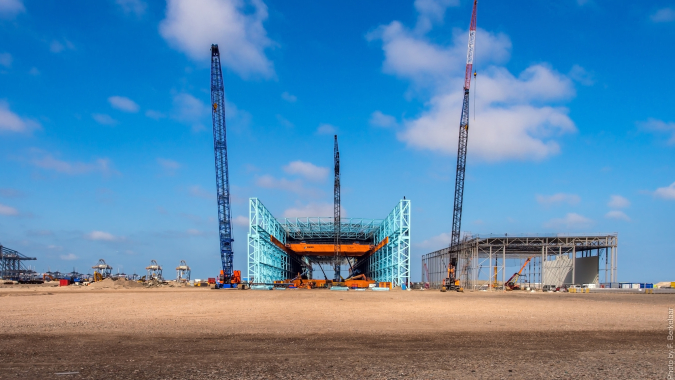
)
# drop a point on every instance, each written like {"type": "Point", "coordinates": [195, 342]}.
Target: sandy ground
{"type": "Point", "coordinates": [178, 333]}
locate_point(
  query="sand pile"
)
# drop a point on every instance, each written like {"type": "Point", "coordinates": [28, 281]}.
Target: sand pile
{"type": "Point", "coordinates": [109, 283]}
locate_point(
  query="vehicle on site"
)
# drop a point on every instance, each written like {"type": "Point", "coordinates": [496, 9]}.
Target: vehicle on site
{"type": "Point", "coordinates": [512, 283]}
{"type": "Point", "coordinates": [549, 288]}
{"type": "Point", "coordinates": [451, 282]}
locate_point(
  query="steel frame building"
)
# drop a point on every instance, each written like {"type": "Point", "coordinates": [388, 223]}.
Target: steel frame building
{"type": "Point", "coordinates": [267, 262]}
{"type": "Point", "coordinates": [482, 260]}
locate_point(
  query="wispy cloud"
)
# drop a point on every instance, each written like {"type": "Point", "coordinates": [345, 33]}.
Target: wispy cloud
{"type": "Point", "coordinates": [102, 236]}
{"type": "Point", "coordinates": [666, 192]}
{"type": "Point", "coordinates": [190, 110]}
{"type": "Point", "coordinates": [240, 220]}
{"type": "Point", "coordinates": [284, 122]}
{"type": "Point", "coordinates": [123, 104]}
{"type": "Point", "coordinates": [617, 201]}
{"type": "Point", "coordinates": [307, 170]}
{"type": "Point", "coordinates": [6, 60]}
{"type": "Point", "coordinates": [11, 122]}
{"type": "Point", "coordinates": [659, 126]}
{"type": "Point", "coordinates": [9, 192]}
{"type": "Point", "coordinates": [558, 198]}
{"type": "Point", "coordinates": [68, 257]}
{"type": "Point", "coordinates": [47, 161]}
{"type": "Point", "coordinates": [154, 114]}
{"type": "Point", "coordinates": [288, 97]}
{"type": "Point", "coordinates": [170, 166]}
{"type": "Point", "coordinates": [617, 215]}
{"type": "Point", "coordinates": [199, 192]}
{"type": "Point", "coordinates": [57, 46]}
{"type": "Point", "coordinates": [378, 119]}
{"type": "Point", "coordinates": [103, 119]}
{"type": "Point", "coordinates": [570, 221]}
{"type": "Point", "coordinates": [8, 211]}
{"type": "Point", "coordinates": [436, 242]}
{"type": "Point", "coordinates": [313, 210]}
{"type": "Point", "coordinates": [326, 129]}
{"type": "Point", "coordinates": [136, 7]}
{"type": "Point", "coordinates": [582, 76]}
{"type": "Point", "coordinates": [269, 182]}
{"type": "Point", "coordinates": [10, 8]}
{"type": "Point", "coordinates": [663, 15]}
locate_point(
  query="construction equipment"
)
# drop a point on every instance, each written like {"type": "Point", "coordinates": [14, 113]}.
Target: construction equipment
{"type": "Point", "coordinates": [336, 212]}
{"type": "Point", "coordinates": [154, 271]}
{"type": "Point", "coordinates": [451, 282]}
{"type": "Point", "coordinates": [511, 284]}
{"type": "Point", "coordinates": [183, 272]}
{"type": "Point", "coordinates": [101, 270]}
{"type": "Point", "coordinates": [463, 136]}
{"type": "Point", "coordinates": [222, 174]}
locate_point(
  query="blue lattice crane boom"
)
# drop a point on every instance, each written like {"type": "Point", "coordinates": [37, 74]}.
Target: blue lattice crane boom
{"type": "Point", "coordinates": [463, 136]}
{"type": "Point", "coordinates": [336, 211]}
{"type": "Point", "coordinates": [222, 175]}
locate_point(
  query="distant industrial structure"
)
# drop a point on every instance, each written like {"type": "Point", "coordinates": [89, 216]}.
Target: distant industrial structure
{"type": "Point", "coordinates": [183, 272]}
{"type": "Point", "coordinates": [12, 265]}
{"type": "Point", "coordinates": [154, 271]}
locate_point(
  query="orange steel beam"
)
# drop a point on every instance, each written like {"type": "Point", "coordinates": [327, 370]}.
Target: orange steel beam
{"type": "Point", "coordinates": [351, 250]}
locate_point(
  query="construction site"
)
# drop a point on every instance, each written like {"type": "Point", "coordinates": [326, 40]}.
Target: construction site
{"type": "Point", "coordinates": [333, 297]}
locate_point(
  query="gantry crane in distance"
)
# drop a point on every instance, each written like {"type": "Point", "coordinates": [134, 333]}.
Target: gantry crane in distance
{"type": "Point", "coordinates": [463, 137]}
{"type": "Point", "coordinates": [336, 212]}
{"type": "Point", "coordinates": [222, 175]}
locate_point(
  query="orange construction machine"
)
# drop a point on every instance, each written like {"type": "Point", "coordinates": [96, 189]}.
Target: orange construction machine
{"type": "Point", "coordinates": [451, 282]}
{"type": "Point", "coordinates": [512, 283]}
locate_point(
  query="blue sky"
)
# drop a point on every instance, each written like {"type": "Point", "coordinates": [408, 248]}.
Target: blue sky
{"type": "Point", "coordinates": [106, 142]}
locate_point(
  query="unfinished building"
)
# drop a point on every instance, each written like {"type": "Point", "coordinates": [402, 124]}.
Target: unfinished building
{"type": "Point", "coordinates": [12, 266]}
{"type": "Point", "coordinates": [484, 261]}
{"type": "Point", "coordinates": [280, 249]}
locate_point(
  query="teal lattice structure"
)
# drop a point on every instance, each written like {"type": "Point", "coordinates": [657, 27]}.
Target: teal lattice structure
{"type": "Point", "coordinates": [391, 263]}
{"type": "Point", "coordinates": [267, 262]}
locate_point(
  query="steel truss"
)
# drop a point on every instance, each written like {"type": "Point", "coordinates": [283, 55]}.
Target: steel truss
{"type": "Point", "coordinates": [267, 262]}
{"type": "Point", "coordinates": [11, 265]}
{"type": "Point", "coordinates": [391, 263]}
{"type": "Point", "coordinates": [482, 261]}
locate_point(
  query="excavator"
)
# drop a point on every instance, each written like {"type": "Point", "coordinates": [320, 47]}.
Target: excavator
{"type": "Point", "coordinates": [511, 284]}
{"type": "Point", "coordinates": [451, 282]}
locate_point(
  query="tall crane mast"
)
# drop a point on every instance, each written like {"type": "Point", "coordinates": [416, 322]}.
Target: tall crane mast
{"type": "Point", "coordinates": [336, 212]}
{"type": "Point", "coordinates": [222, 176]}
{"type": "Point", "coordinates": [463, 136]}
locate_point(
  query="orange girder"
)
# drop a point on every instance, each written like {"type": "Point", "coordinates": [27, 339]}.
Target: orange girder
{"type": "Point", "coordinates": [308, 249]}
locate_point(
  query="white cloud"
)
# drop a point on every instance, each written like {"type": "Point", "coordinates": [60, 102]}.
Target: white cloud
{"type": "Point", "coordinates": [8, 211]}
{"type": "Point", "coordinates": [654, 125]}
{"type": "Point", "coordinates": [570, 221]}
{"type": "Point", "coordinates": [5, 59]}
{"type": "Point", "coordinates": [617, 201]}
{"type": "Point", "coordinates": [512, 120]}
{"type": "Point", "coordinates": [136, 7]}
{"type": "Point", "coordinates": [103, 119]}
{"type": "Point", "coordinates": [68, 257]}
{"type": "Point", "coordinates": [663, 15]}
{"type": "Point", "coordinates": [431, 12]}
{"type": "Point", "coordinates": [58, 46]}
{"type": "Point", "coordinates": [199, 192]}
{"type": "Point", "coordinates": [240, 221]}
{"type": "Point", "coordinates": [326, 129]}
{"type": "Point", "coordinates": [11, 122]}
{"type": "Point", "coordinates": [191, 26]}
{"type": "Point", "coordinates": [288, 97]}
{"type": "Point", "coordinates": [582, 76]}
{"type": "Point", "coordinates": [123, 104]}
{"type": "Point", "coordinates": [102, 236]}
{"type": "Point", "coordinates": [34, 71]}
{"type": "Point", "coordinates": [154, 114]}
{"type": "Point", "coordinates": [190, 110]}
{"type": "Point", "coordinates": [436, 242]}
{"type": "Point", "coordinates": [666, 192]}
{"type": "Point", "coordinates": [194, 232]}
{"type": "Point", "coordinates": [8, 192]}
{"type": "Point", "coordinates": [169, 166]}
{"type": "Point", "coordinates": [313, 210]}
{"type": "Point", "coordinates": [379, 119]}
{"type": "Point", "coordinates": [10, 8]}
{"type": "Point", "coordinates": [269, 182]}
{"type": "Point", "coordinates": [618, 215]}
{"type": "Point", "coordinates": [47, 161]}
{"type": "Point", "coordinates": [571, 199]}
{"type": "Point", "coordinates": [307, 170]}
{"type": "Point", "coordinates": [284, 122]}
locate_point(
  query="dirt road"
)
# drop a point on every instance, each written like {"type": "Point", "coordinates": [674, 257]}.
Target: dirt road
{"type": "Point", "coordinates": [196, 333]}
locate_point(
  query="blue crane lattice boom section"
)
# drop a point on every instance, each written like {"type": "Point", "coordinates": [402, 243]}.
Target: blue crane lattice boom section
{"type": "Point", "coordinates": [222, 176]}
